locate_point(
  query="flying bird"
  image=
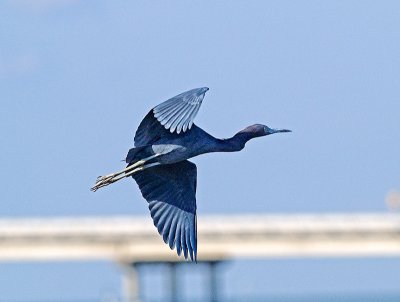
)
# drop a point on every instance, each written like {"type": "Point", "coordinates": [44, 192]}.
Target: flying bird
{"type": "Point", "coordinates": [163, 143]}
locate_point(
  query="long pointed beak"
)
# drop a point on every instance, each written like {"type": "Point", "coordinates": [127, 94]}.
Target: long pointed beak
{"type": "Point", "coordinates": [281, 130]}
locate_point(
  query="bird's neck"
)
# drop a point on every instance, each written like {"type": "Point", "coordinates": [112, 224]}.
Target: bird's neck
{"type": "Point", "coordinates": [233, 144]}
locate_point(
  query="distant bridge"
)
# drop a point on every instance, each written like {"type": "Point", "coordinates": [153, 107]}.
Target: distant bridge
{"type": "Point", "coordinates": [130, 240]}
{"type": "Point", "coordinates": [135, 239]}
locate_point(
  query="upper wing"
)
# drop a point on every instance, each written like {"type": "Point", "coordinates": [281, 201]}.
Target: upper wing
{"type": "Point", "coordinates": [149, 131]}
{"type": "Point", "coordinates": [171, 193]}
{"type": "Point", "coordinates": [176, 114]}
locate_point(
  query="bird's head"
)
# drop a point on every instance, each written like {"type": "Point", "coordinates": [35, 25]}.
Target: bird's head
{"type": "Point", "coordinates": [261, 130]}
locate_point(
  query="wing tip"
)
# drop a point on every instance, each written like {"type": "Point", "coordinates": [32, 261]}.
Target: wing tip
{"type": "Point", "coordinates": [166, 112]}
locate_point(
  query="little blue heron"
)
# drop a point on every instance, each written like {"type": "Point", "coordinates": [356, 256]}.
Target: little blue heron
{"type": "Point", "coordinates": [165, 140]}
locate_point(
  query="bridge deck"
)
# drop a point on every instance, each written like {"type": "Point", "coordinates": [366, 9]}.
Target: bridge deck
{"type": "Point", "coordinates": [135, 239]}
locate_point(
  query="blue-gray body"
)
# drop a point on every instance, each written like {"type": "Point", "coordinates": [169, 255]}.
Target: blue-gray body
{"type": "Point", "coordinates": [192, 143]}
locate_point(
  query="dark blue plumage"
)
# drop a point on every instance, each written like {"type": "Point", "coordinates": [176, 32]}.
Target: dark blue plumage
{"type": "Point", "coordinates": [171, 193]}
{"type": "Point", "coordinates": [164, 140]}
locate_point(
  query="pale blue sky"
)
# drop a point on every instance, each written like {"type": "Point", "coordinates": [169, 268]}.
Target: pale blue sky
{"type": "Point", "coordinates": [77, 77]}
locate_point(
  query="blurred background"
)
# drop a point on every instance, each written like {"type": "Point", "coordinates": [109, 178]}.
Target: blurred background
{"type": "Point", "coordinates": [77, 77]}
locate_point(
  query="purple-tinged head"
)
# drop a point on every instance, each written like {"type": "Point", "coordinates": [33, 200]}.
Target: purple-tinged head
{"type": "Point", "coordinates": [239, 140]}
{"type": "Point", "coordinates": [261, 130]}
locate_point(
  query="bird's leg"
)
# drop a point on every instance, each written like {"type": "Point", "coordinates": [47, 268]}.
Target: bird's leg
{"type": "Point", "coordinates": [137, 164]}
{"type": "Point", "coordinates": [134, 171]}
{"type": "Point", "coordinates": [103, 181]}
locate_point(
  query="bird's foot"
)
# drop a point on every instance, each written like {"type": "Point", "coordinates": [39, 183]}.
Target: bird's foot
{"type": "Point", "coordinates": [103, 181]}
{"type": "Point", "coordinates": [106, 180]}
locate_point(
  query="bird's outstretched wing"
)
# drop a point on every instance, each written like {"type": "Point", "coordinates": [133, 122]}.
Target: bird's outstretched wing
{"type": "Point", "coordinates": [171, 193]}
{"type": "Point", "coordinates": [150, 130]}
{"type": "Point", "coordinates": [176, 115]}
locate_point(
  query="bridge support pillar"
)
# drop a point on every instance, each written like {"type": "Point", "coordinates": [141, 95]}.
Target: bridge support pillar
{"type": "Point", "coordinates": [130, 283]}
{"type": "Point", "coordinates": [213, 281]}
